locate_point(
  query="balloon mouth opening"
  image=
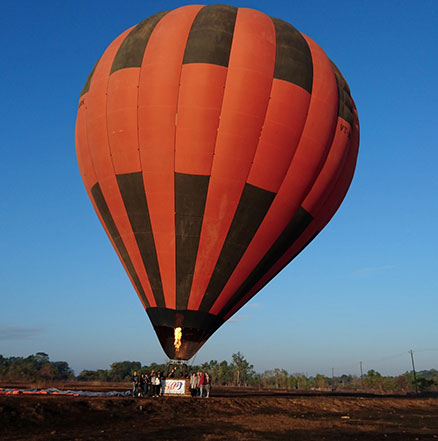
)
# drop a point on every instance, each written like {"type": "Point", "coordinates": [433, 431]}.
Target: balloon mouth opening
{"type": "Point", "coordinates": [182, 332]}
{"type": "Point", "coordinates": [190, 342]}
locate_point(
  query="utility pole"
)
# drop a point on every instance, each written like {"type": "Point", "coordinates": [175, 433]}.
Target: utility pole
{"type": "Point", "coordinates": [413, 369]}
{"type": "Point", "coordinates": [333, 379]}
{"type": "Point", "coordinates": [361, 375]}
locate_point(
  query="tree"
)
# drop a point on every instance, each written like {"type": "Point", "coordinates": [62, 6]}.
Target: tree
{"type": "Point", "coordinates": [62, 370]}
{"type": "Point", "coordinates": [242, 370]}
{"type": "Point", "coordinates": [373, 381]}
{"type": "Point", "coordinates": [33, 368]}
{"type": "Point", "coordinates": [278, 378]}
{"type": "Point", "coordinates": [300, 381]}
{"type": "Point", "coordinates": [373, 374]}
{"type": "Point", "coordinates": [225, 373]}
{"type": "Point", "coordinates": [42, 357]}
{"type": "Point", "coordinates": [122, 370]}
{"type": "Point", "coordinates": [425, 384]}
{"type": "Point", "coordinates": [345, 379]}
{"type": "Point", "coordinates": [320, 382]}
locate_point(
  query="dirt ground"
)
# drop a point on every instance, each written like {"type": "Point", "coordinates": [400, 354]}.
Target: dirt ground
{"type": "Point", "coordinates": [227, 415]}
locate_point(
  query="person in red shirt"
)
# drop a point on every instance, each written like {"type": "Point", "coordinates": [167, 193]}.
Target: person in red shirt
{"type": "Point", "coordinates": [201, 384]}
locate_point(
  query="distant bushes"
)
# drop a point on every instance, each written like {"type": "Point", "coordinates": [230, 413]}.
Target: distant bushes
{"type": "Point", "coordinates": [239, 372]}
{"type": "Point", "coordinates": [371, 382]}
{"type": "Point", "coordinates": [33, 368]}
{"type": "Point", "coordinates": [119, 371]}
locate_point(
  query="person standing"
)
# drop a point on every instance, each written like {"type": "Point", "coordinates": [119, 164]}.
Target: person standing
{"type": "Point", "coordinates": [146, 385]}
{"type": "Point", "coordinates": [193, 384]}
{"type": "Point", "coordinates": [157, 384]}
{"type": "Point", "coordinates": [207, 385]}
{"type": "Point", "coordinates": [163, 384]}
{"type": "Point", "coordinates": [135, 384]}
{"type": "Point", "coordinates": [201, 384]}
{"type": "Point", "coordinates": [152, 389]}
{"type": "Point", "coordinates": [141, 385]}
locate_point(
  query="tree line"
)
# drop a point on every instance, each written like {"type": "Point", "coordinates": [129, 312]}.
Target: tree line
{"type": "Point", "coordinates": [36, 367]}
{"type": "Point", "coordinates": [239, 372]}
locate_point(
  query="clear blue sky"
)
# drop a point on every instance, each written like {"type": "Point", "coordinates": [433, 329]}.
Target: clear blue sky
{"type": "Point", "coordinates": [364, 290]}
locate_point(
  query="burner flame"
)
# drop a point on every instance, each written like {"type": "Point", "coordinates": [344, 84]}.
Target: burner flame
{"type": "Point", "coordinates": [177, 339]}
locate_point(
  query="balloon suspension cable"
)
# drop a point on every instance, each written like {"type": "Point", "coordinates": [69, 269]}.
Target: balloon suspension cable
{"type": "Point", "coordinates": [193, 359]}
{"type": "Point", "coordinates": [176, 362]}
{"type": "Point", "coordinates": [176, 365]}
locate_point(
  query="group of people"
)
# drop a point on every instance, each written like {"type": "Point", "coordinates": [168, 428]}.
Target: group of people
{"type": "Point", "coordinates": [153, 384]}
{"type": "Point", "coordinates": [200, 384]}
{"type": "Point", "coordinates": [145, 385]}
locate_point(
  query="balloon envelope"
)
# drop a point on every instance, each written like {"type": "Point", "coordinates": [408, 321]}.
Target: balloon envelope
{"type": "Point", "coordinates": [215, 143]}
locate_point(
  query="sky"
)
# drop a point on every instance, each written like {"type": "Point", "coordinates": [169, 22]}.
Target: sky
{"type": "Point", "coordinates": [364, 290]}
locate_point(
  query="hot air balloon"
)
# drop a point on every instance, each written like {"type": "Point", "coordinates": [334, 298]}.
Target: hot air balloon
{"type": "Point", "coordinates": [214, 143]}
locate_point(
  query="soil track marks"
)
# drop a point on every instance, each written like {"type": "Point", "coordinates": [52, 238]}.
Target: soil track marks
{"type": "Point", "coordinates": [229, 416]}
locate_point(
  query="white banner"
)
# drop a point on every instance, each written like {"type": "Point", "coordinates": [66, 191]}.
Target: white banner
{"type": "Point", "coordinates": [175, 386]}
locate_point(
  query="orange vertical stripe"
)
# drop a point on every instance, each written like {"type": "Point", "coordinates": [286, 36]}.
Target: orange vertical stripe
{"type": "Point", "coordinates": [157, 106]}
{"type": "Point", "coordinates": [82, 151]}
{"type": "Point", "coordinates": [282, 129]}
{"type": "Point", "coordinates": [247, 90]}
{"type": "Point", "coordinates": [199, 106]}
{"type": "Point", "coordinates": [332, 167]}
{"type": "Point", "coordinates": [122, 120]}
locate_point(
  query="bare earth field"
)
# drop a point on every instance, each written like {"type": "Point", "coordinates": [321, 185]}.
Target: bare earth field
{"type": "Point", "coordinates": [230, 414]}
